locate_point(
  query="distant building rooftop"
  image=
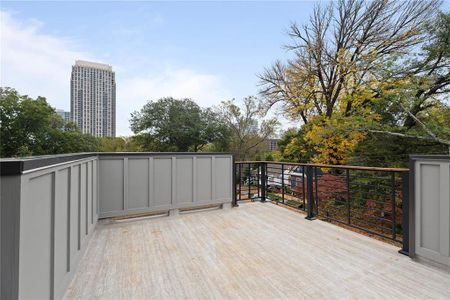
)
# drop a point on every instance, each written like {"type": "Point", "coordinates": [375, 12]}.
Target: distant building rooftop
{"type": "Point", "coordinates": [90, 64]}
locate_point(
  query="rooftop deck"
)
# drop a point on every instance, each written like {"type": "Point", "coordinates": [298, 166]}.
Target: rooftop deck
{"type": "Point", "coordinates": [258, 250]}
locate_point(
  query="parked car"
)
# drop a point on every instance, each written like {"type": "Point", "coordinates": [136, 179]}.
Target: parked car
{"type": "Point", "coordinates": [292, 177]}
{"type": "Point", "coordinates": [295, 176]}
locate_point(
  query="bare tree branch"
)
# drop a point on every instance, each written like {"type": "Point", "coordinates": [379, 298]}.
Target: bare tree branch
{"type": "Point", "coordinates": [337, 51]}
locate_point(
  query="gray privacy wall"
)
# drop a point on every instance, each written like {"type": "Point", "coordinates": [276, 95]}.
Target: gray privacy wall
{"type": "Point", "coordinates": [139, 184]}
{"type": "Point", "coordinates": [49, 207]}
{"type": "Point", "coordinates": [431, 209]}
{"type": "Point", "coordinates": [47, 217]}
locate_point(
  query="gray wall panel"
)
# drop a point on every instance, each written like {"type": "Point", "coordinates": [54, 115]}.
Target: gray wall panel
{"type": "Point", "coordinates": [432, 210]}
{"type": "Point", "coordinates": [111, 187]}
{"type": "Point", "coordinates": [48, 219]}
{"type": "Point", "coordinates": [83, 204]}
{"type": "Point", "coordinates": [52, 206]}
{"type": "Point", "coordinates": [62, 224]}
{"type": "Point", "coordinates": [204, 179]}
{"type": "Point", "coordinates": [35, 266]}
{"type": "Point", "coordinates": [89, 218]}
{"type": "Point", "coordinates": [96, 182]}
{"type": "Point", "coordinates": [162, 174]}
{"type": "Point", "coordinates": [10, 198]}
{"type": "Point", "coordinates": [223, 174]}
{"type": "Point", "coordinates": [138, 183]}
{"type": "Point", "coordinates": [55, 208]}
{"type": "Point", "coordinates": [429, 210]}
{"type": "Point", "coordinates": [74, 211]}
{"type": "Point", "coordinates": [184, 180]}
{"type": "Point", "coordinates": [131, 185]}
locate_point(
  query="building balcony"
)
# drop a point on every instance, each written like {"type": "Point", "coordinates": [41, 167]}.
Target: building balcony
{"type": "Point", "coordinates": [171, 225]}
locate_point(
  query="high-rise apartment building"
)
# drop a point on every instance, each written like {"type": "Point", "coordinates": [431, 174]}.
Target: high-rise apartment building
{"type": "Point", "coordinates": [93, 98]}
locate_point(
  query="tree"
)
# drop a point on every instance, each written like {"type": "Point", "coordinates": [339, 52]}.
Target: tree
{"type": "Point", "coordinates": [337, 52]}
{"type": "Point", "coordinates": [32, 127]}
{"type": "Point", "coordinates": [216, 131]}
{"type": "Point", "coordinates": [268, 156]}
{"type": "Point", "coordinates": [69, 140]}
{"type": "Point", "coordinates": [430, 69]}
{"type": "Point", "coordinates": [417, 88]}
{"type": "Point", "coordinates": [247, 132]}
{"type": "Point", "coordinates": [334, 139]}
{"type": "Point", "coordinates": [25, 123]}
{"type": "Point", "coordinates": [349, 63]}
{"type": "Point", "coordinates": [176, 125]}
{"type": "Point", "coordinates": [391, 151]}
{"type": "Point", "coordinates": [118, 144]}
{"type": "Point", "coordinates": [292, 146]}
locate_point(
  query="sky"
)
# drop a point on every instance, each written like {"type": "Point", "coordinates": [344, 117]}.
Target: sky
{"type": "Point", "coordinates": [207, 51]}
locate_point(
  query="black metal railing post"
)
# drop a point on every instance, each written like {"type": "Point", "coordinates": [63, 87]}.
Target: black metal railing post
{"type": "Point", "coordinates": [258, 180]}
{"type": "Point", "coordinates": [263, 181]}
{"type": "Point", "coordinates": [282, 182]}
{"type": "Point", "coordinates": [310, 186]}
{"type": "Point", "coordinates": [405, 215]}
{"type": "Point", "coordinates": [235, 186]}
{"type": "Point", "coordinates": [249, 181]}
{"type": "Point", "coordinates": [240, 181]}
{"type": "Point", "coordinates": [316, 185]}
{"type": "Point", "coordinates": [303, 188]}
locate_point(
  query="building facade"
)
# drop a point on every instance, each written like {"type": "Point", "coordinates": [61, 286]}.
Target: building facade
{"type": "Point", "coordinates": [272, 144]}
{"type": "Point", "coordinates": [93, 98]}
{"type": "Point", "coordinates": [65, 115]}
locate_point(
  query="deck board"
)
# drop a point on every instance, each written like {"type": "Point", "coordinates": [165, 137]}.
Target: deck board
{"type": "Point", "coordinates": [258, 250]}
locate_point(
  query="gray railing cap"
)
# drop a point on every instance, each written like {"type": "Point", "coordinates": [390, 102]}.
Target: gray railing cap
{"type": "Point", "coordinates": [16, 166]}
{"type": "Point", "coordinates": [429, 157]}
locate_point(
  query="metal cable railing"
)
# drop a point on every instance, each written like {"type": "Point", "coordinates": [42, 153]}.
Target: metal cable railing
{"type": "Point", "coordinates": [374, 200]}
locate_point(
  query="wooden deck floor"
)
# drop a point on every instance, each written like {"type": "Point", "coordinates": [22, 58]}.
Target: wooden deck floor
{"type": "Point", "coordinates": [256, 251]}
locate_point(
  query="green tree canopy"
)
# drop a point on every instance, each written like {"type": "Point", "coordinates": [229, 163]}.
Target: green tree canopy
{"type": "Point", "coordinates": [32, 127]}
{"type": "Point", "coordinates": [248, 127]}
{"type": "Point", "coordinates": [292, 146]}
{"type": "Point", "coordinates": [118, 144]}
{"type": "Point", "coordinates": [170, 124]}
{"type": "Point", "coordinates": [365, 68]}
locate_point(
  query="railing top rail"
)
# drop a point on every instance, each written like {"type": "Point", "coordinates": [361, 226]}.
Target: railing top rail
{"type": "Point", "coordinates": [16, 166]}
{"type": "Point", "coordinates": [430, 157]}
{"type": "Point", "coordinates": [161, 153]}
{"type": "Point", "coordinates": [361, 168]}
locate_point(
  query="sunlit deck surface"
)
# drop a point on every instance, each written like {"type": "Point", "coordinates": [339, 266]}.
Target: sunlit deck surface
{"type": "Point", "coordinates": [258, 250]}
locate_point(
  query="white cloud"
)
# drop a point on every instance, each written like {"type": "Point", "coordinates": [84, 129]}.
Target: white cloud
{"type": "Point", "coordinates": [36, 64]}
{"type": "Point", "coordinates": [39, 64]}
